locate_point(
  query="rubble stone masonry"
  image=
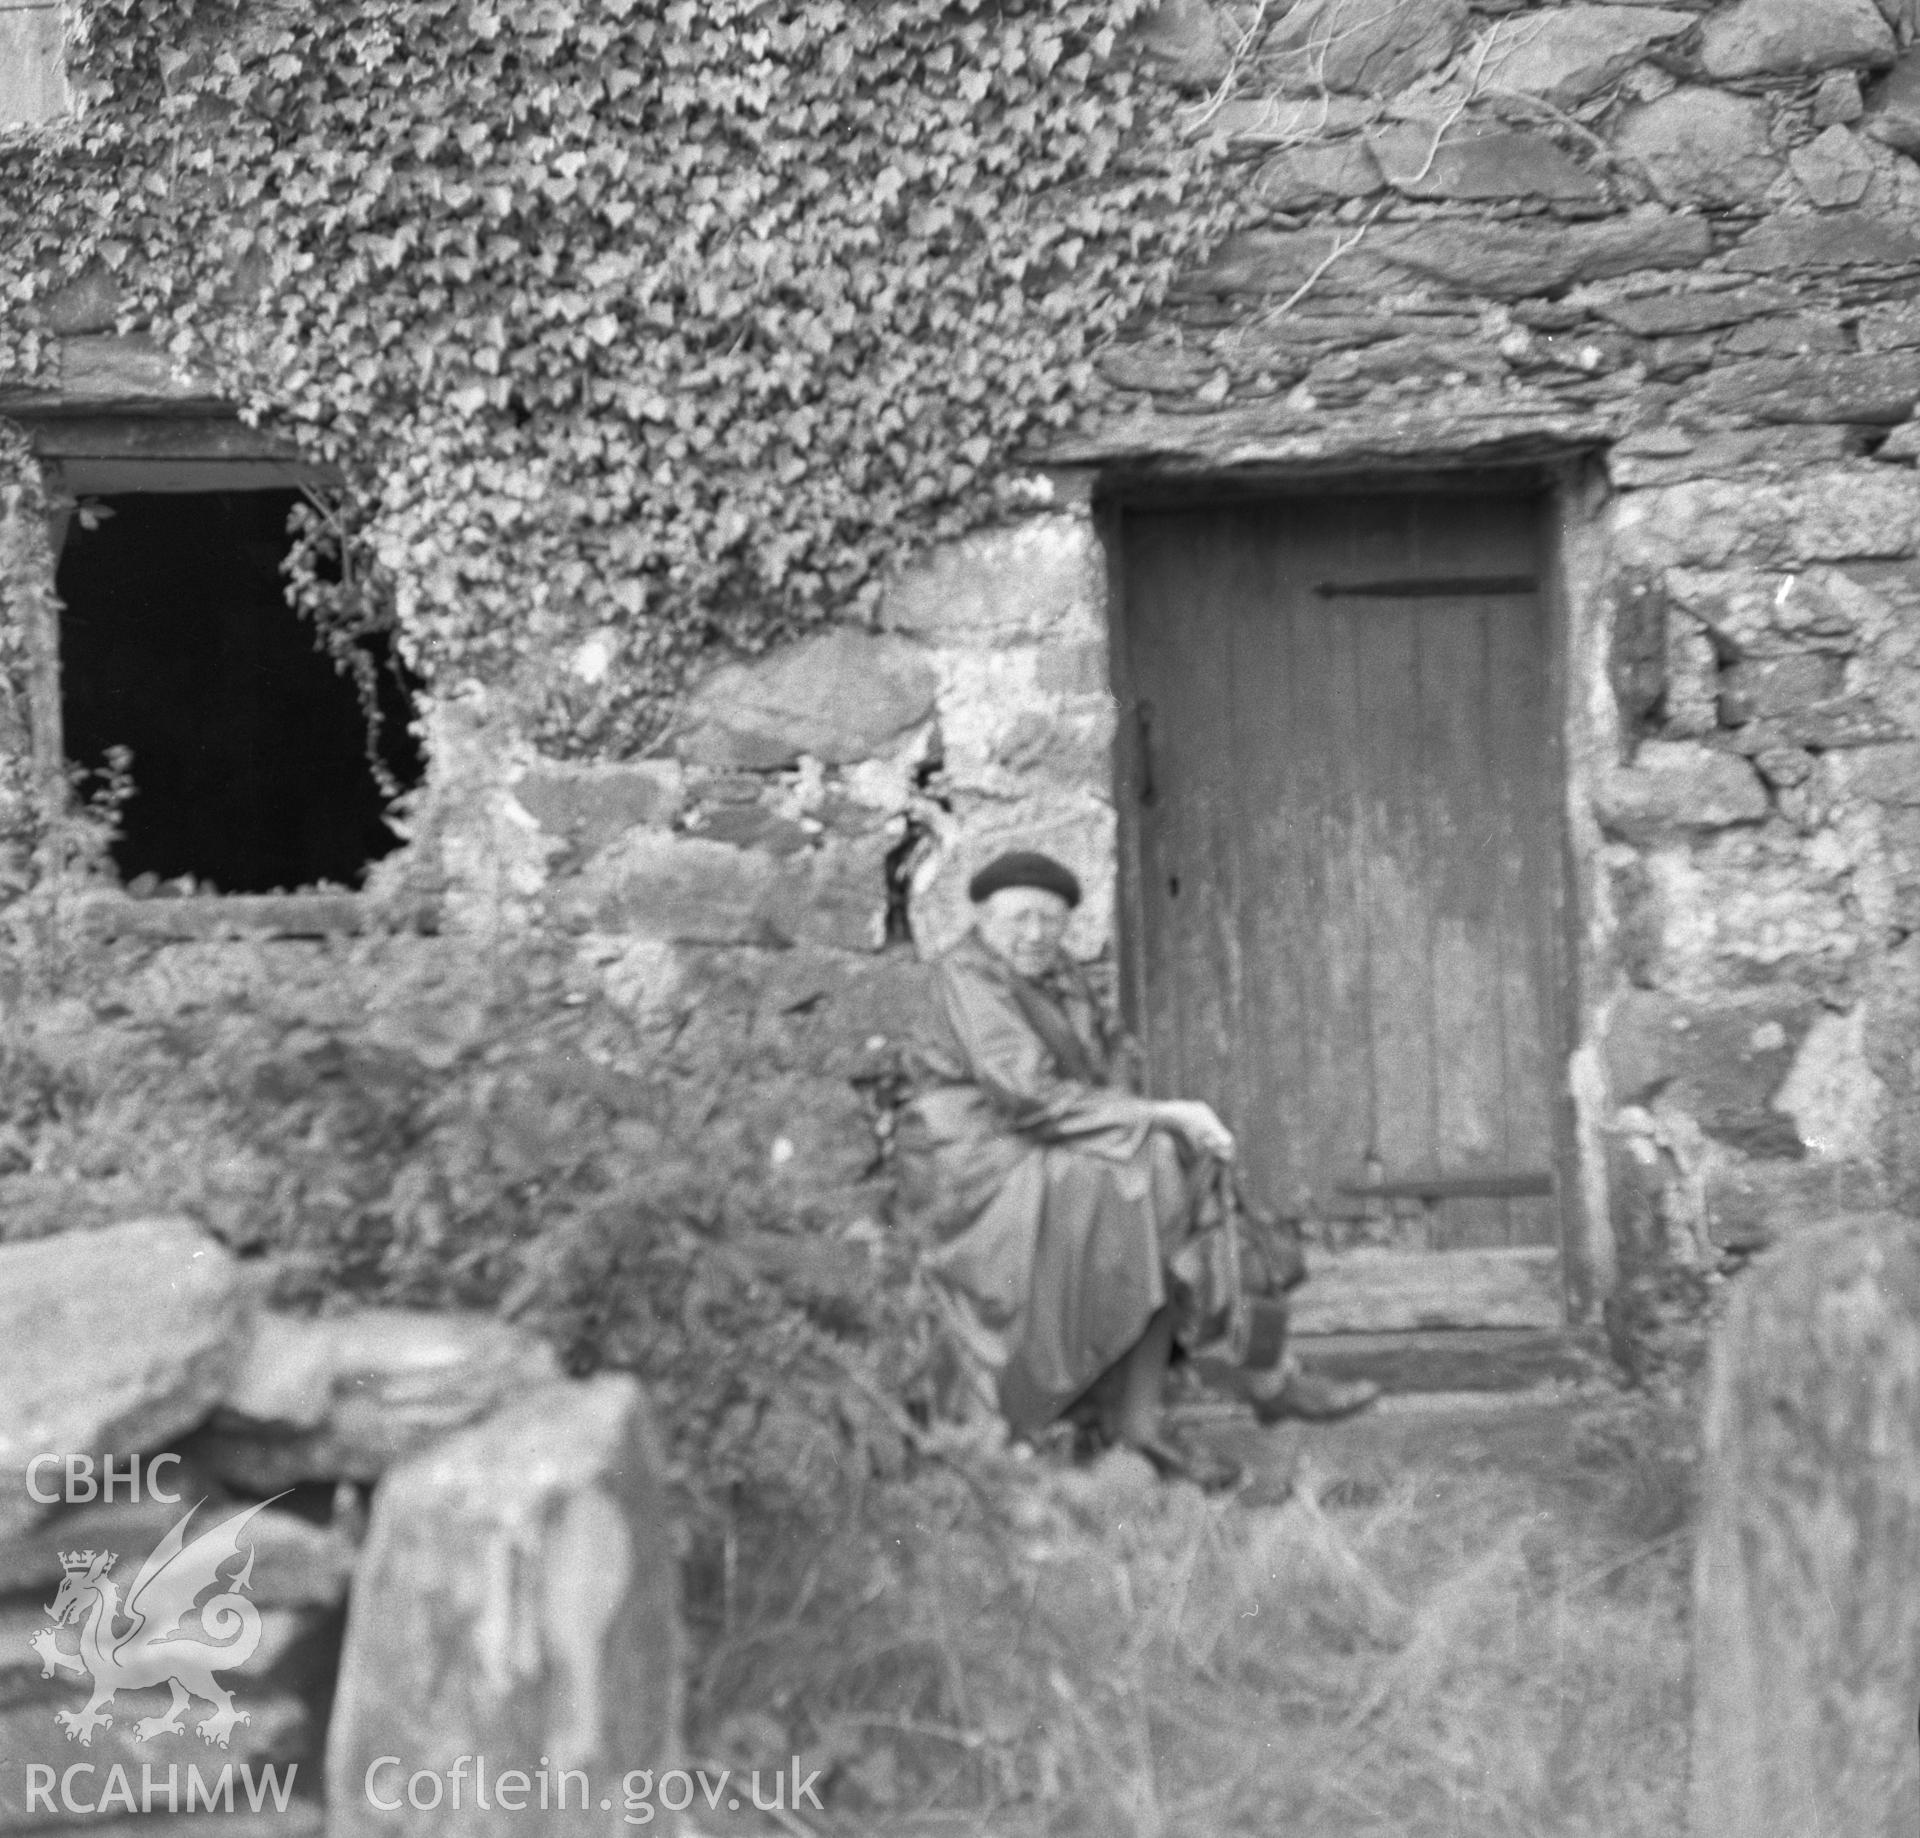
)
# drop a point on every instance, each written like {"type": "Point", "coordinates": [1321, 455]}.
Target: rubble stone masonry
{"type": "Point", "coordinates": [1662, 259]}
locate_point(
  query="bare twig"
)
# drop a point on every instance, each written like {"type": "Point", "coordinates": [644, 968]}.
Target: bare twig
{"type": "Point", "coordinates": [1341, 246]}
{"type": "Point", "coordinates": [1238, 56]}
{"type": "Point", "coordinates": [1596, 143]}
{"type": "Point", "coordinates": [1448, 120]}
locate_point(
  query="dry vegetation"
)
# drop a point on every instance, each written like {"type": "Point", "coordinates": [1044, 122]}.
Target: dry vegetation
{"type": "Point", "coordinates": [1444, 1630]}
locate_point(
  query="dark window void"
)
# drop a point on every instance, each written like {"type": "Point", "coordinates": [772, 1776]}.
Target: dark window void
{"type": "Point", "coordinates": [250, 767]}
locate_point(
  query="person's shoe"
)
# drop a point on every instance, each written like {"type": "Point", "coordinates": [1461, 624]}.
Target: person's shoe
{"type": "Point", "coordinates": [1176, 1459]}
{"type": "Point", "coordinates": [1314, 1399]}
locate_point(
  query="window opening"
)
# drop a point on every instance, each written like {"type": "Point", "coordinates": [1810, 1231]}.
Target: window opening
{"type": "Point", "coordinates": [250, 766]}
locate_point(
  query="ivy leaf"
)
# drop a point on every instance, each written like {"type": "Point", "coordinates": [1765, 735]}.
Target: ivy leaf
{"type": "Point", "coordinates": [663, 321]}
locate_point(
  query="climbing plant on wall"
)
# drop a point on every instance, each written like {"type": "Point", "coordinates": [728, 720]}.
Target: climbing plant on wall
{"type": "Point", "coordinates": [634, 327]}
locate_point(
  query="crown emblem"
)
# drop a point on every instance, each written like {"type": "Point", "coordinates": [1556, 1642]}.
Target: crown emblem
{"type": "Point", "coordinates": [78, 1562]}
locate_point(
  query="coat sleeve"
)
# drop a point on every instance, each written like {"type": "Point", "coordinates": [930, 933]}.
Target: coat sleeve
{"type": "Point", "coordinates": [1008, 1061]}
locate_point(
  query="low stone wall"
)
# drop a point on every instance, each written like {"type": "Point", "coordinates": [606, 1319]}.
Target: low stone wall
{"type": "Point", "coordinates": [424, 1549]}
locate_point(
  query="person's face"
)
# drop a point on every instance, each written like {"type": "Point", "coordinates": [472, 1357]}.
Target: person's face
{"type": "Point", "coordinates": [1025, 925]}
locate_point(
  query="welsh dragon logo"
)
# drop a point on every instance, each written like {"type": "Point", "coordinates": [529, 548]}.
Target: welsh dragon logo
{"type": "Point", "coordinates": [146, 1640]}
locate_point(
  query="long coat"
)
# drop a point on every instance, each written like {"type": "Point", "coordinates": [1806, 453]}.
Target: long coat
{"type": "Point", "coordinates": [1062, 1217]}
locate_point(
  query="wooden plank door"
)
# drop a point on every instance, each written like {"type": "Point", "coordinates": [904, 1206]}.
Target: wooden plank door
{"type": "Point", "coordinates": [1344, 867]}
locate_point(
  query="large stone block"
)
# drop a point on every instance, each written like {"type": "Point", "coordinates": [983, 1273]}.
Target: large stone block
{"type": "Point", "coordinates": [1828, 514]}
{"type": "Point", "coordinates": [1043, 579]}
{"type": "Point", "coordinates": [1187, 38]}
{"type": "Point", "coordinates": [839, 696]}
{"type": "Point", "coordinates": [689, 890]}
{"type": "Point", "coordinates": [1750, 1204]}
{"type": "Point", "coordinates": [1570, 52]}
{"type": "Point", "coordinates": [1827, 239]}
{"type": "Point", "coordinates": [1893, 118]}
{"type": "Point", "coordinates": [1878, 389]}
{"type": "Point", "coordinates": [1837, 99]}
{"type": "Point", "coordinates": [1663, 315]}
{"type": "Point", "coordinates": [1887, 774]}
{"type": "Point", "coordinates": [1774, 686]}
{"type": "Point", "coordinates": [1797, 335]}
{"type": "Point", "coordinates": [1261, 262]}
{"type": "Point", "coordinates": [1758, 613]}
{"type": "Point", "coordinates": [1174, 369]}
{"type": "Point", "coordinates": [1747, 908]}
{"type": "Point", "coordinates": [680, 889]}
{"type": "Point", "coordinates": [591, 806]}
{"type": "Point", "coordinates": [1834, 169]}
{"type": "Point", "coordinates": [1837, 1101]}
{"type": "Point", "coordinates": [1827, 726]}
{"type": "Point", "coordinates": [1703, 145]}
{"type": "Point", "coordinates": [1893, 325]}
{"type": "Point", "coordinates": [1511, 261]}
{"type": "Point", "coordinates": [836, 895]}
{"type": "Point", "coordinates": [111, 1342]}
{"type": "Point", "coordinates": [1721, 1062]}
{"type": "Point", "coordinates": [100, 369]}
{"type": "Point", "coordinates": [1431, 161]}
{"type": "Point", "coordinates": [753, 825]}
{"type": "Point", "coordinates": [1783, 38]}
{"type": "Point", "coordinates": [1302, 176]}
{"type": "Point", "coordinates": [1010, 727]}
{"type": "Point", "coordinates": [1679, 785]}
{"type": "Point", "coordinates": [346, 1396]}
{"type": "Point", "coordinates": [1670, 457]}
{"type": "Point", "coordinates": [517, 1600]}
{"type": "Point", "coordinates": [1364, 46]}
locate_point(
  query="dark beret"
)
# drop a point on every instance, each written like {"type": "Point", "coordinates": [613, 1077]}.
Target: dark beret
{"type": "Point", "coordinates": [1025, 868]}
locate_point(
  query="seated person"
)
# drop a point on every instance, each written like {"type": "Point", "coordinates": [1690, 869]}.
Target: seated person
{"type": "Point", "coordinates": [1070, 1215]}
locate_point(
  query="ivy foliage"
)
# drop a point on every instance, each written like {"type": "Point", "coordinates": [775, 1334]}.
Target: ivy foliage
{"type": "Point", "coordinates": [634, 328]}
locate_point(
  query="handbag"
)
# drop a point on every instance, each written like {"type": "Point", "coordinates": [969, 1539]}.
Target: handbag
{"type": "Point", "coordinates": [1261, 1259]}
{"type": "Point", "coordinates": [1276, 1259]}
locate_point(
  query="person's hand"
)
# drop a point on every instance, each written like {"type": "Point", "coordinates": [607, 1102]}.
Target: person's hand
{"type": "Point", "coordinates": [1200, 1125]}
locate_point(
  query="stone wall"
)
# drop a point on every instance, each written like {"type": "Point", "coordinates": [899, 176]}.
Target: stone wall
{"type": "Point", "coordinates": [762, 889]}
{"type": "Point", "coordinates": [1665, 256]}
{"type": "Point", "coordinates": [26, 624]}
{"type": "Point", "coordinates": [837, 792]}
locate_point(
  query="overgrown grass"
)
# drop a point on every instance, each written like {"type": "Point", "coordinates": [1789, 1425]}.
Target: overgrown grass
{"type": "Point", "coordinates": [1412, 1643]}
